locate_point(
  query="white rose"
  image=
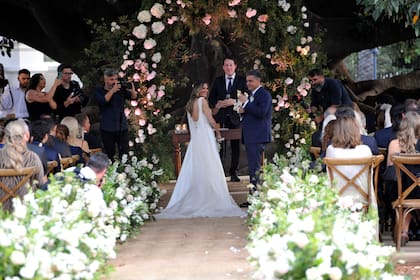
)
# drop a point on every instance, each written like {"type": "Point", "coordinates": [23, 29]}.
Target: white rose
{"type": "Point", "coordinates": [149, 44]}
{"type": "Point", "coordinates": [313, 179]}
{"type": "Point", "coordinates": [129, 198]}
{"type": "Point", "coordinates": [335, 273]}
{"type": "Point", "coordinates": [17, 258]}
{"type": "Point", "coordinates": [156, 57]}
{"type": "Point", "coordinates": [157, 27]}
{"type": "Point", "coordinates": [157, 10]}
{"type": "Point", "coordinates": [144, 16]}
{"type": "Point", "coordinates": [140, 31]}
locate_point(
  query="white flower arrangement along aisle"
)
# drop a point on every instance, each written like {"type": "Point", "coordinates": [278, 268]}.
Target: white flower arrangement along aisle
{"type": "Point", "coordinates": [63, 233]}
{"type": "Point", "coordinates": [301, 229]}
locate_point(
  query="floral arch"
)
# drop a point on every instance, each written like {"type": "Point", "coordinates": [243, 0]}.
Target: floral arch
{"type": "Point", "coordinates": [174, 42]}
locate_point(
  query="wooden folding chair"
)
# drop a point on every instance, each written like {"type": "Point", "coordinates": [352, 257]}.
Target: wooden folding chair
{"type": "Point", "coordinates": [96, 150]}
{"type": "Point", "coordinates": [51, 165]}
{"type": "Point", "coordinates": [66, 162]}
{"type": "Point", "coordinates": [403, 205]}
{"type": "Point", "coordinates": [9, 192]}
{"type": "Point", "coordinates": [383, 151]}
{"type": "Point", "coordinates": [367, 165]}
{"type": "Point", "coordinates": [315, 151]}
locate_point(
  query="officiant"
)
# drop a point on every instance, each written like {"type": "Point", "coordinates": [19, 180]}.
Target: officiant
{"type": "Point", "coordinates": [222, 97]}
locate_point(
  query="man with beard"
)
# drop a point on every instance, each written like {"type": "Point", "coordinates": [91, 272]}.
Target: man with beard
{"type": "Point", "coordinates": [327, 92]}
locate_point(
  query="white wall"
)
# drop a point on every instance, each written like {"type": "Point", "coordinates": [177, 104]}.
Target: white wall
{"type": "Point", "coordinates": [23, 56]}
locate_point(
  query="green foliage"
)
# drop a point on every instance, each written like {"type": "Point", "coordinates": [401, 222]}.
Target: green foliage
{"type": "Point", "coordinates": [158, 47]}
{"type": "Point", "coordinates": [396, 10]}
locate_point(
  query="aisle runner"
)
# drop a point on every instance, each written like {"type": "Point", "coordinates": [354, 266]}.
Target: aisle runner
{"type": "Point", "coordinates": [201, 248]}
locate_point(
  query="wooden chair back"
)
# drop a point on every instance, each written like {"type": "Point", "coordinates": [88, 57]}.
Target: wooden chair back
{"type": "Point", "coordinates": [383, 151]}
{"type": "Point", "coordinates": [367, 165]}
{"type": "Point", "coordinates": [315, 151]}
{"type": "Point", "coordinates": [11, 191]}
{"type": "Point", "coordinates": [51, 165]}
{"type": "Point", "coordinates": [404, 204]}
{"type": "Point", "coordinates": [66, 162]}
{"type": "Point", "coordinates": [96, 150]}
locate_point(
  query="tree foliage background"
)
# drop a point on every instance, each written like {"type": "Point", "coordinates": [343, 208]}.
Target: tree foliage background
{"type": "Point", "coordinates": [166, 46]}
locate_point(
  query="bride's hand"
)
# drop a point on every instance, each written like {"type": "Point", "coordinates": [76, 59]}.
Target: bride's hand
{"type": "Point", "coordinates": [220, 139]}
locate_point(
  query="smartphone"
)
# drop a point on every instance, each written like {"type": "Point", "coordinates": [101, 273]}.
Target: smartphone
{"type": "Point", "coordinates": [59, 75]}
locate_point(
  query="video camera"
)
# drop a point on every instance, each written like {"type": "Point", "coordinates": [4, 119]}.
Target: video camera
{"type": "Point", "coordinates": [3, 82]}
{"type": "Point", "coordinates": [124, 84]}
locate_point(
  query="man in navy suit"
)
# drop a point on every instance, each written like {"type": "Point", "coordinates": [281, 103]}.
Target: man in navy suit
{"type": "Point", "coordinates": [256, 114]}
{"type": "Point", "coordinates": [222, 97]}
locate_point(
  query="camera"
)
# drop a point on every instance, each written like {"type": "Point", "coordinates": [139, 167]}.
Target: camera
{"type": "Point", "coordinates": [3, 82]}
{"type": "Point", "coordinates": [77, 91]}
{"type": "Point", "coordinates": [124, 84]}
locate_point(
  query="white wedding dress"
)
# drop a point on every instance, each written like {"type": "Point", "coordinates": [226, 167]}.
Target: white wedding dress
{"type": "Point", "coordinates": [201, 189]}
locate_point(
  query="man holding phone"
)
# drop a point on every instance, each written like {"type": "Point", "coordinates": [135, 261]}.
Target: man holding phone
{"type": "Point", "coordinates": [69, 97]}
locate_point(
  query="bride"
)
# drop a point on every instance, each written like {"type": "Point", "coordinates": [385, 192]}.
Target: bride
{"type": "Point", "coordinates": [201, 189]}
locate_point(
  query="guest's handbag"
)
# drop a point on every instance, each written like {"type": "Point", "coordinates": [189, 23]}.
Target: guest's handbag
{"type": "Point", "coordinates": [182, 127]}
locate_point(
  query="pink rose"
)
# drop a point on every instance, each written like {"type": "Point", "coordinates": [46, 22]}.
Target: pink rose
{"type": "Point", "coordinates": [251, 13]}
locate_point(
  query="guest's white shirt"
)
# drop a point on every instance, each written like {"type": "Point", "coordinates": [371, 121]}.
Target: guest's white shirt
{"type": "Point", "coordinates": [20, 108]}
{"type": "Point", "coordinates": [359, 151]}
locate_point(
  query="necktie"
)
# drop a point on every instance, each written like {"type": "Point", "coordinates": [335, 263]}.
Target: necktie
{"type": "Point", "coordinates": [229, 87]}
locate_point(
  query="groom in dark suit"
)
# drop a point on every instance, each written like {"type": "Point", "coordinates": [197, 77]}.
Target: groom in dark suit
{"type": "Point", "coordinates": [256, 122]}
{"type": "Point", "coordinates": [222, 97]}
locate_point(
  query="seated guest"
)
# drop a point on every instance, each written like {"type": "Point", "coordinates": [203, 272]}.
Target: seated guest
{"type": "Point", "coordinates": [75, 140]}
{"type": "Point", "coordinates": [349, 112]}
{"type": "Point", "coordinates": [384, 136]}
{"type": "Point", "coordinates": [407, 137]}
{"type": "Point", "coordinates": [40, 151]}
{"type": "Point", "coordinates": [15, 155]}
{"type": "Point", "coordinates": [39, 134]}
{"type": "Point", "coordinates": [94, 141]}
{"type": "Point", "coordinates": [346, 143]}
{"type": "Point", "coordinates": [94, 172]}
{"type": "Point", "coordinates": [62, 134]}
{"type": "Point", "coordinates": [60, 141]}
{"type": "Point", "coordinates": [328, 134]}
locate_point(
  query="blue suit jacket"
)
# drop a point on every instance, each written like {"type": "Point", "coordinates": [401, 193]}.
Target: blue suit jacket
{"type": "Point", "coordinates": [384, 136]}
{"type": "Point", "coordinates": [256, 121]}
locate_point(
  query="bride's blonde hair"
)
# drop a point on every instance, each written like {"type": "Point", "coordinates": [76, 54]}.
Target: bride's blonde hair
{"type": "Point", "coordinates": [194, 95]}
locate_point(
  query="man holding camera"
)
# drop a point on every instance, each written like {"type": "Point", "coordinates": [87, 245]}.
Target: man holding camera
{"type": "Point", "coordinates": [69, 96]}
{"type": "Point", "coordinates": [111, 100]}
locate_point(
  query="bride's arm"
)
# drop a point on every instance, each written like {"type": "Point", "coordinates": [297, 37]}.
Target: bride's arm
{"type": "Point", "coordinates": [208, 113]}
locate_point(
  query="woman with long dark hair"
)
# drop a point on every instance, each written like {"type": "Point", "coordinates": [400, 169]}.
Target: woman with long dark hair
{"type": "Point", "coordinates": [38, 101]}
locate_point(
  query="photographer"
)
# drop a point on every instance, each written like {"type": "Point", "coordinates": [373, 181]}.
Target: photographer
{"type": "Point", "coordinates": [5, 109]}
{"type": "Point", "coordinates": [69, 96]}
{"type": "Point", "coordinates": [111, 99]}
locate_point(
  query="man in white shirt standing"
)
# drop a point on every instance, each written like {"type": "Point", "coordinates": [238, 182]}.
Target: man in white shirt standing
{"type": "Point", "coordinates": [14, 100]}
